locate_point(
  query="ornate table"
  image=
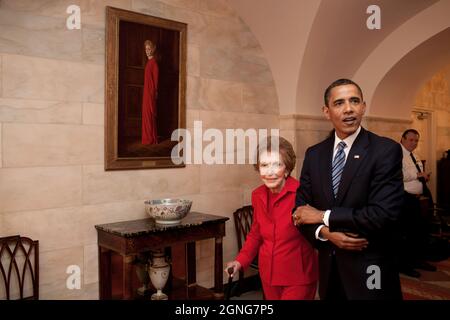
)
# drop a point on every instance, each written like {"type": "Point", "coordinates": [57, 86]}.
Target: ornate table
{"type": "Point", "coordinates": [130, 238]}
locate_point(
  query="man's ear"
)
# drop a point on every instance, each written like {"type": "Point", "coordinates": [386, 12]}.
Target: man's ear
{"type": "Point", "coordinates": [363, 107]}
{"type": "Point", "coordinates": [326, 112]}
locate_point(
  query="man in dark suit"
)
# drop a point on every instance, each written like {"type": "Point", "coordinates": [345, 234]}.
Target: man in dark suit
{"type": "Point", "coordinates": [349, 202]}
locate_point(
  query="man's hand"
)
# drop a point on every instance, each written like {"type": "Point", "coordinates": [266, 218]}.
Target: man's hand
{"type": "Point", "coordinates": [346, 241]}
{"type": "Point", "coordinates": [307, 215]}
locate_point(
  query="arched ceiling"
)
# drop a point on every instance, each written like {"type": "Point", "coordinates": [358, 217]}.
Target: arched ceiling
{"type": "Point", "coordinates": [340, 42]}
{"type": "Point", "coordinates": [395, 94]}
{"type": "Point", "coordinates": [310, 43]}
{"type": "Point", "coordinates": [282, 29]}
{"type": "Point", "coordinates": [406, 47]}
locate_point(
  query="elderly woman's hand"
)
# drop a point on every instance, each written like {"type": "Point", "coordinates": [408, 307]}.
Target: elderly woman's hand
{"type": "Point", "coordinates": [307, 215]}
{"type": "Point", "coordinates": [233, 264]}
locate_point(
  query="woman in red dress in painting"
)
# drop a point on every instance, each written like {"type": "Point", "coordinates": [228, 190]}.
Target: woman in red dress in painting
{"type": "Point", "coordinates": [149, 132]}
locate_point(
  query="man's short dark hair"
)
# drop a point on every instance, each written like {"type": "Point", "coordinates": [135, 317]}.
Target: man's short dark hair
{"type": "Point", "coordinates": [410, 131]}
{"type": "Point", "coordinates": [337, 83]}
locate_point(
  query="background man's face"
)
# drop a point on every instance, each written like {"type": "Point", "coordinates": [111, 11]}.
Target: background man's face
{"type": "Point", "coordinates": [411, 141]}
{"type": "Point", "coordinates": [345, 109]}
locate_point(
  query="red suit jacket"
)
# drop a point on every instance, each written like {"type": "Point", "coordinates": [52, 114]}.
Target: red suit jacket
{"type": "Point", "coordinates": [285, 258]}
{"type": "Point", "coordinates": [149, 130]}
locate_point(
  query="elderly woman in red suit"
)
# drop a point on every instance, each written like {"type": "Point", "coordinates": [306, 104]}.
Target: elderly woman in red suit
{"type": "Point", "coordinates": [287, 262]}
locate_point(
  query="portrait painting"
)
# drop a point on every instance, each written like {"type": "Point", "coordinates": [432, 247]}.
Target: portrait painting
{"type": "Point", "coordinates": [145, 89]}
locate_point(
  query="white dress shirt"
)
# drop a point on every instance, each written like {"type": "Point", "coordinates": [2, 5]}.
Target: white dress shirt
{"type": "Point", "coordinates": [349, 142]}
{"type": "Point", "coordinates": [410, 181]}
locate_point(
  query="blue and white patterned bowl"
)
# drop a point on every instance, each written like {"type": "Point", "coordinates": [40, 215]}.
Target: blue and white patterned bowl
{"type": "Point", "coordinates": [168, 211]}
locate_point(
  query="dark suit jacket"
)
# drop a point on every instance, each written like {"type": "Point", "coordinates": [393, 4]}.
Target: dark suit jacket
{"type": "Point", "coordinates": [368, 203]}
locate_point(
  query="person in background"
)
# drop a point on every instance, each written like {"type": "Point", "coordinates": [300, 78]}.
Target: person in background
{"type": "Point", "coordinates": [413, 224]}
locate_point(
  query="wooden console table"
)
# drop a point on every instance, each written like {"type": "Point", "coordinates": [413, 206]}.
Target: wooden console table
{"type": "Point", "coordinates": [129, 238]}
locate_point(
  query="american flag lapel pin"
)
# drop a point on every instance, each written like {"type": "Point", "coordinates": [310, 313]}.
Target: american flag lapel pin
{"type": "Point", "coordinates": [356, 156]}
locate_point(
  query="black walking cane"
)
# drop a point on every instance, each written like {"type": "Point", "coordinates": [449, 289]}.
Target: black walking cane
{"type": "Point", "coordinates": [230, 283]}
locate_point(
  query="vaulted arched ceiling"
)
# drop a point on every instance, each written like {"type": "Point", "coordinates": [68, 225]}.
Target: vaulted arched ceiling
{"type": "Point", "coordinates": [410, 54]}
{"type": "Point", "coordinates": [310, 43]}
{"type": "Point", "coordinates": [282, 29]}
{"type": "Point", "coordinates": [340, 42]}
{"type": "Point", "coordinates": [395, 94]}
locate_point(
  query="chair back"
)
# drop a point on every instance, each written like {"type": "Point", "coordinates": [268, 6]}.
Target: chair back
{"type": "Point", "coordinates": [243, 218]}
{"type": "Point", "coordinates": [19, 268]}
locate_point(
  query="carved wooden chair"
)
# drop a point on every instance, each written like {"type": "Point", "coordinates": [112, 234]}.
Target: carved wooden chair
{"type": "Point", "coordinates": [243, 219]}
{"type": "Point", "coordinates": [19, 267]}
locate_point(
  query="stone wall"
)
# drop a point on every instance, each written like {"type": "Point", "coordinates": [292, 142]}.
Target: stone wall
{"type": "Point", "coordinates": [435, 96]}
{"type": "Point", "coordinates": [306, 130]}
{"type": "Point", "coordinates": [53, 186]}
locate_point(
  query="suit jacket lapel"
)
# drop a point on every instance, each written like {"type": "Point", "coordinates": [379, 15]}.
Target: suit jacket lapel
{"type": "Point", "coordinates": [352, 164]}
{"type": "Point", "coordinates": [326, 156]}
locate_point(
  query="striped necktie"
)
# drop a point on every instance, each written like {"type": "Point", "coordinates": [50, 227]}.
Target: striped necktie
{"type": "Point", "coordinates": [338, 167]}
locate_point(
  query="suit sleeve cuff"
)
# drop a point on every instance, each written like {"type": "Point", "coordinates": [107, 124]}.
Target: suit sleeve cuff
{"type": "Point", "coordinates": [318, 237]}
{"type": "Point", "coordinates": [342, 219]}
{"type": "Point", "coordinates": [326, 218]}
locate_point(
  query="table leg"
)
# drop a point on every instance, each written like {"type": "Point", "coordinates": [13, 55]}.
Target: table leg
{"type": "Point", "coordinates": [127, 288]}
{"type": "Point", "coordinates": [218, 271]}
{"type": "Point", "coordinates": [191, 277]}
{"type": "Point", "coordinates": [168, 253]}
{"type": "Point", "coordinates": [104, 273]}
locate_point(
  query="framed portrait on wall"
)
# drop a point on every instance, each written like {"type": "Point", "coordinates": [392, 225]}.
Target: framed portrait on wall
{"type": "Point", "coordinates": [145, 92]}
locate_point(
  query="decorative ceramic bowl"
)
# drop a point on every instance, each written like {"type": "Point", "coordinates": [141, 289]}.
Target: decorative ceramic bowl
{"type": "Point", "coordinates": [168, 211]}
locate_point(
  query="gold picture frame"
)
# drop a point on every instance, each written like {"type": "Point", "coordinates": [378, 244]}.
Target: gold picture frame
{"type": "Point", "coordinates": [140, 112]}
